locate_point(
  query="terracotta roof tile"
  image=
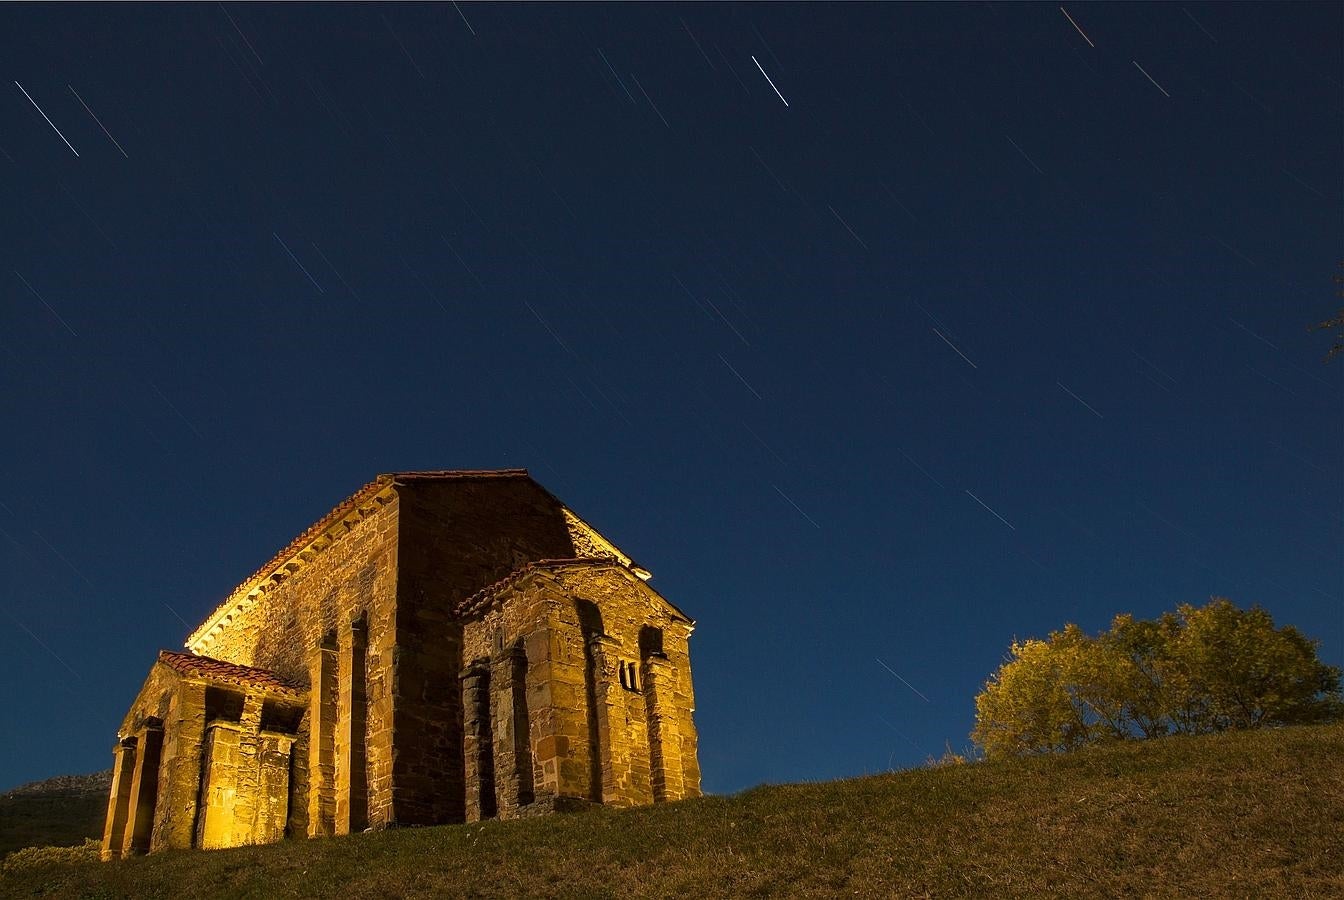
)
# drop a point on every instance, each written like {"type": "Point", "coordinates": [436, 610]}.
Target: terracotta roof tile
{"type": "Point", "coordinates": [482, 598]}
{"type": "Point", "coordinates": [227, 672]}
{"type": "Point", "coordinates": [457, 474]}
{"type": "Point", "coordinates": [335, 515]}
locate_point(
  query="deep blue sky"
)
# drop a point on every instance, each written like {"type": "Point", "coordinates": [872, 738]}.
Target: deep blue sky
{"type": "Point", "coordinates": [798, 360]}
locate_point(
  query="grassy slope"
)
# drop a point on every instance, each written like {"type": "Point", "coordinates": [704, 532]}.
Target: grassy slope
{"type": "Point", "coordinates": [1253, 814]}
{"type": "Point", "coordinates": [57, 819]}
{"type": "Point", "coordinates": [59, 812]}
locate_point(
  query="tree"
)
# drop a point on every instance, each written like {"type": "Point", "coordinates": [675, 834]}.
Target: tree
{"type": "Point", "coordinates": [1056, 694]}
{"type": "Point", "coordinates": [1245, 673]}
{"type": "Point", "coordinates": [1194, 671]}
{"type": "Point", "coordinates": [1334, 323]}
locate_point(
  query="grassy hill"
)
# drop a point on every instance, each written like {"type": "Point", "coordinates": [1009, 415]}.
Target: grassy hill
{"type": "Point", "coordinates": [1257, 814]}
{"type": "Point", "coordinates": [57, 812]}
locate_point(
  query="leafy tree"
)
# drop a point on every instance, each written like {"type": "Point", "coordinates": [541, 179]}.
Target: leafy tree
{"type": "Point", "coordinates": [1056, 694]}
{"type": "Point", "coordinates": [1246, 673]}
{"type": "Point", "coordinates": [1194, 671]}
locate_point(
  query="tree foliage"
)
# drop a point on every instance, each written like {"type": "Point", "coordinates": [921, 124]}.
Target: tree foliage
{"type": "Point", "coordinates": [1194, 671]}
{"type": "Point", "coordinates": [1336, 324]}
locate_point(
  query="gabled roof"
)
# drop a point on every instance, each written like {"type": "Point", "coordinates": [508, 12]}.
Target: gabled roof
{"type": "Point", "coordinates": [351, 504]}
{"type": "Point", "coordinates": [218, 671]}
{"type": "Point", "coordinates": [482, 599]}
{"type": "Point", "coordinates": [361, 496]}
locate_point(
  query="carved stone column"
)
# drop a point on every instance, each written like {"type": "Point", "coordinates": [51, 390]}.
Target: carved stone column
{"type": "Point", "coordinates": [220, 823]}
{"type": "Point", "coordinates": [556, 714]}
{"type": "Point", "coordinates": [248, 798]}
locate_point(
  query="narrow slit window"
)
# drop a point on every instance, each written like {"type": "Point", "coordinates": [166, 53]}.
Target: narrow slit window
{"type": "Point", "coordinates": [629, 675]}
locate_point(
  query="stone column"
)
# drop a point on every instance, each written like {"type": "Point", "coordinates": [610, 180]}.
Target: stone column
{"type": "Point", "coordinates": [299, 785]}
{"type": "Point", "coordinates": [217, 826]}
{"type": "Point", "coordinates": [118, 801]}
{"type": "Point", "coordinates": [512, 745]}
{"type": "Point", "coordinates": [248, 800]}
{"type": "Point", "coordinates": [478, 742]}
{"type": "Point", "coordinates": [180, 787]}
{"type": "Point", "coordinates": [273, 787]}
{"type": "Point", "coordinates": [144, 789]}
{"type": "Point", "coordinates": [682, 701]}
{"type": "Point", "coordinates": [611, 752]}
{"type": "Point", "coordinates": [557, 715]}
{"type": "Point", "coordinates": [660, 680]}
{"type": "Point", "coordinates": [352, 803]}
{"type": "Point", "coordinates": [322, 740]}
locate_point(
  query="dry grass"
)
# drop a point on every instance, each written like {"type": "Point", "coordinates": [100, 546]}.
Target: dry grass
{"type": "Point", "coordinates": [46, 857]}
{"type": "Point", "coordinates": [1236, 815]}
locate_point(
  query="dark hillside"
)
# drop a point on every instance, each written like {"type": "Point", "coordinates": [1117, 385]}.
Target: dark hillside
{"type": "Point", "coordinates": [58, 812]}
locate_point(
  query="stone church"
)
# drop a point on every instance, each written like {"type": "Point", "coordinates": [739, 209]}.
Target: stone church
{"type": "Point", "coordinates": [440, 647]}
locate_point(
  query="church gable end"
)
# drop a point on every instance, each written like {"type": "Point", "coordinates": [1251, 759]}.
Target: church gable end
{"type": "Point", "coordinates": [440, 647]}
{"type": "Point", "coordinates": [577, 690]}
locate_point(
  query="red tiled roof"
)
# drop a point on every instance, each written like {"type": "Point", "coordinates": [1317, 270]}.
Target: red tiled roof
{"type": "Point", "coordinates": [227, 672]}
{"type": "Point", "coordinates": [482, 598]}
{"type": "Point", "coordinates": [456, 474]}
{"type": "Point", "coordinates": [486, 594]}
{"type": "Point", "coordinates": [350, 503]}
{"type": "Point", "coordinates": [336, 514]}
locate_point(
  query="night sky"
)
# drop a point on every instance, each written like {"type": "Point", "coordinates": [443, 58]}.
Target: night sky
{"type": "Point", "coordinates": [977, 321]}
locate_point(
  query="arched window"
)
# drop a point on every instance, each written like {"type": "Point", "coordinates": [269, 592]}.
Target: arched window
{"type": "Point", "coordinates": [650, 642]}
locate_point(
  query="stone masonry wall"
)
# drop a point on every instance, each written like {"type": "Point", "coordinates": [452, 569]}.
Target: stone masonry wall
{"type": "Point", "coordinates": [184, 730]}
{"type": "Point", "coordinates": [456, 537]}
{"type": "Point", "coordinates": [609, 709]}
{"type": "Point", "coordinates": [628, 607]}
{"type": "Point", "coordinates": [177, 711]}
{"type": "Point", "coordinates": [504, 643]}
{"type": "Point", "coordinates": [354, 577]}
{"type": "Point", "coordinates": [245, 784]}
{"type": "Point", "coordinates": [215, 775]}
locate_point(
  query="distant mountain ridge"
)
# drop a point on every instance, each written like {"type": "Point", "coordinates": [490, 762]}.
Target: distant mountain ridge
{"type": "Point", "coordinates": [94, 783]}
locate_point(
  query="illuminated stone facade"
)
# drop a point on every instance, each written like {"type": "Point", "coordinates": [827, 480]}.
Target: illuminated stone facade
{"type": "Point", "coordinates": [440, 647]}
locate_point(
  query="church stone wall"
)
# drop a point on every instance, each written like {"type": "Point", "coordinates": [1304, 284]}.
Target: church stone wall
{"type": "Point", "coordinates": [184, 730]}
{"type": "Point", "coordinates": [652, 642]}
{"type": "Point", "coordinates": [608, 701]}
{"type": "Point", "coordinates": [197, 765]}
{"type": "Point", "coordinates": [457, 536]}
{"type": "Point", "coordinates": [511, 685]}
{"type": "Point", "coordinates": [152, 803]}
{"type": "Point", "coordinates": [345, 594]}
